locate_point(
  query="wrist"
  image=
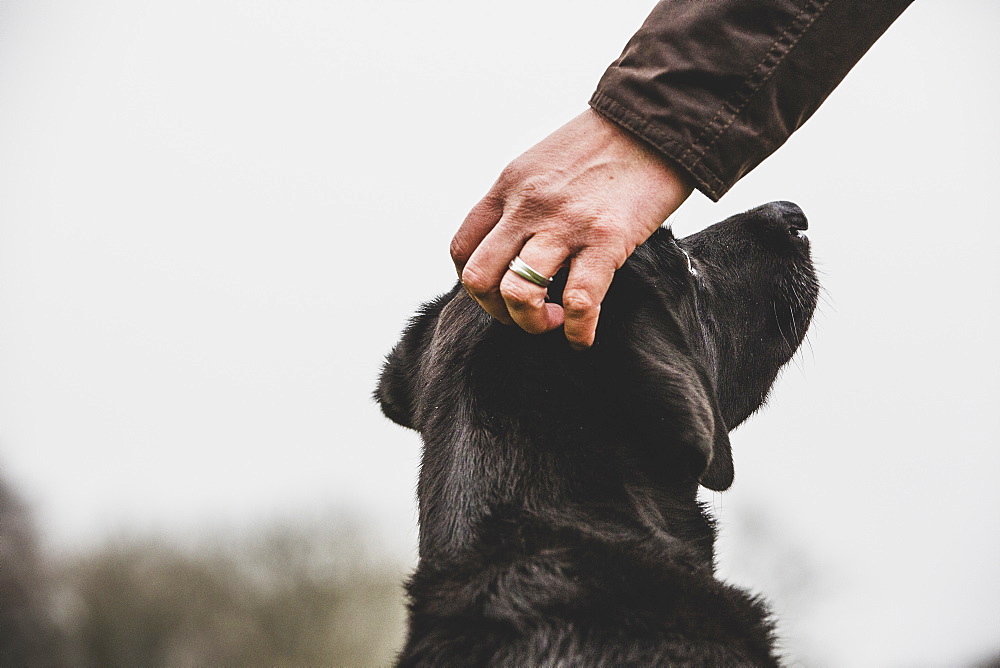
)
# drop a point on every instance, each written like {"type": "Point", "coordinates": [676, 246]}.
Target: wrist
{"type": "Point", "coordinates": [646, 158]}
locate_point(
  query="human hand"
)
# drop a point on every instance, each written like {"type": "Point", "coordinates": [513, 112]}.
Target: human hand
{"type": "Point", "coordinates": [585, 196]}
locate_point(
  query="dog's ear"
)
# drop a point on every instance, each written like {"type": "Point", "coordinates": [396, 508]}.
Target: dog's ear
{"type": "Point", "coordinates": [398, 385]}
{"type": "Point", "coordinates": [679, 399]}
{"type": "Point", "coordinates": [719, 472]}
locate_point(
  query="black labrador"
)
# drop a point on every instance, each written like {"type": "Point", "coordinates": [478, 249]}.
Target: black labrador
{"type": "Point", "coordinates": [559, 523]}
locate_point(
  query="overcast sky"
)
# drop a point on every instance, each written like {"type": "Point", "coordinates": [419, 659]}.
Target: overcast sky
{"type": "Point", "coordinates": [216, 217]}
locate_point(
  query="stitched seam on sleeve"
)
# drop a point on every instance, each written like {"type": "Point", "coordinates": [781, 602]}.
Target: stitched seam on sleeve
{"type": "Point", "coordinates": [761, 74]}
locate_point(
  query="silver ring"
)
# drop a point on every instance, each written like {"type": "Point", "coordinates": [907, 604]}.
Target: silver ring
{"type": "Point", "coordinates": [521, 268]}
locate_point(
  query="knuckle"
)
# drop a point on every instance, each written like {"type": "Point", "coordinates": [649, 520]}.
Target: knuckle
{"type": "Point", "coordinates": [602, 258]}
{"type": "Point", "coordinates": [577, 301]}
{"type": "Point", "coordinates": [475, 281]}
{"type": "Point", "coordinates": [536, 193]}
{"type": "Point", "coordinates": [602, 230]}
{"type": "Point", "coordinates": [510, 175]}
{"type": "Point", "coordinates": [516, 292]}
{"type": "Point", "coordinates": [535, 184]}
{"type": "Point", "coordinates": [460, 251]}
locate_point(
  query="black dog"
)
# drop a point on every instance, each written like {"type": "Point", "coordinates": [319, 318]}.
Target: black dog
{"type": "Point", "coordinates": [558, 516]}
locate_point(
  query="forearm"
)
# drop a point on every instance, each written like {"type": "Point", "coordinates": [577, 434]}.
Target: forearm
{"type": "Point", "coordinates": [718, 86]}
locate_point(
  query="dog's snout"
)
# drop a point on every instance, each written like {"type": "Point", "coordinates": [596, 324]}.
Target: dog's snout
{"type": "Point", "coordinates": [788, 216]}
{"type": "Point", "coordinates": [781, 220]}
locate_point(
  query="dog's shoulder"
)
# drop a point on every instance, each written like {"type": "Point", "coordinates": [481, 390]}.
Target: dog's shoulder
{"type": "Point", "coordinates": [582, 601]}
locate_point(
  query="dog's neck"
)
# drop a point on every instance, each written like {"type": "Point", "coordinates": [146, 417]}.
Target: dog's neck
{"type": "Point", "coordinates": [478, 488]}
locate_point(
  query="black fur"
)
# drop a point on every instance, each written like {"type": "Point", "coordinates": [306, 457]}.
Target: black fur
{"type": "Point", "coordinates": [558, 516]}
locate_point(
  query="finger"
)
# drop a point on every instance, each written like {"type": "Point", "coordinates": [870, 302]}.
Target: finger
{"type": "Point", "coordinates": [525, 300]}
{"type": "Point", "coordinates": [476, 226]}
{"type": "Point", "coordinates": [487, 266]}
{"type": "Point", "coordinates": [588, 282]}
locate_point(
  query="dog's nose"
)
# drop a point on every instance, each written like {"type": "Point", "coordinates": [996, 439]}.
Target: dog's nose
{"type": "Point", "coordinates": [789, 216]}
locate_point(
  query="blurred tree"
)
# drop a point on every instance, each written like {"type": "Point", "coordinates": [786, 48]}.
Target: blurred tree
{"type": "Point", "coordinates": [284, 596]}
{"type": "Point", "coordinates": [27, 632]}
{"type": "Point", "coordinates": [990, 663]}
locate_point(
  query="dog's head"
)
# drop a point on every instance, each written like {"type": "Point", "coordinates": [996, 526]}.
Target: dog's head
{"type": "Point", "coordinates": [692, 335]}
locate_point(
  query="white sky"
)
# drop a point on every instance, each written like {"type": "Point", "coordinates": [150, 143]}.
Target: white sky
{"type": "Point", "coordinates": [216, 217]}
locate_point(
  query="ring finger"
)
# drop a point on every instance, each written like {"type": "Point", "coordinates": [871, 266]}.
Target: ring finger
{"type": "Point", "coordinates": [525, 299]}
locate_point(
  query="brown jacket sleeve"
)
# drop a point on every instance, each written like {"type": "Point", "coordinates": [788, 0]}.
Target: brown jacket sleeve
{"type": "Point", "coordinates": [719, 85]}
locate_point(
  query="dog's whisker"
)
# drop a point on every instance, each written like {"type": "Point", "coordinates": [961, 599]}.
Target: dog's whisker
{"type": "Point", "coordinates": [795, 327]}
{"type": "Point", "coordinates": [826, 297]}
{"type": "Point", "coordinates": [777, 321]}
{"type": "Point", "coordinates": [808, 341]}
